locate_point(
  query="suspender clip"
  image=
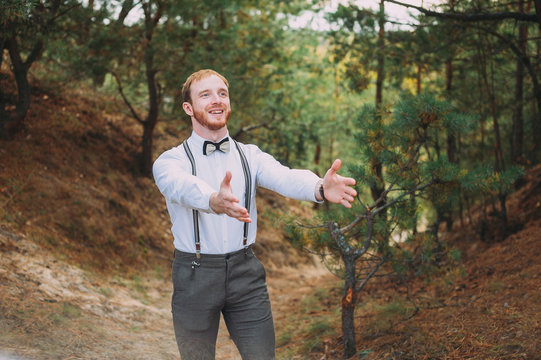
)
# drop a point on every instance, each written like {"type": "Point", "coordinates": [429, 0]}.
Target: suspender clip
{"type": "Point", "coordinates": [246, 246]}
{"type": "Point", "coordinates": [195, 263]}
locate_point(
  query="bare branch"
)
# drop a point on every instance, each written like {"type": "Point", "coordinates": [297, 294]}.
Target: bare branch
{"type": "Point", "coordinates": [249, 128]}
{"type": "Point", "coordinates": [127, 6]}
{"type": "Point", "coordinates": [369, 276]}
{"type": "Point", "coordinates": [418, 188]}
{"type": "Point", "coordinates": [339, 238]}
{"type": "Point", "coordinates": [368, 237]}
{"type": "Point", "coordinates": [357, 220]}
{"type": "Point", "coordinates": [474, 17]}
{"type": "Point", "coordinates": [126, 101]}
{"type": "Point", "coordinates": [370, 213]}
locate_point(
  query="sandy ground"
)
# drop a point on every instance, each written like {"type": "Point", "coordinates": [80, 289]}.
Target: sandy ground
{"type": "Point", "coordinates": [53, 310]}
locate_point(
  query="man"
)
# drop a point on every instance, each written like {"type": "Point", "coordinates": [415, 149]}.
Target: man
{"type": "Point", "coordinates": [209, 186]}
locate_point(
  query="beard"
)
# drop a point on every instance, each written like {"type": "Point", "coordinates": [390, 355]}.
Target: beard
{"type": "Point", "coordinates": [210, 123]}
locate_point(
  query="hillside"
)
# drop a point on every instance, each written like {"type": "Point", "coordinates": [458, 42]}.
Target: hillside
{"type": "Point", "coordinates": [488, 308]}
{"type": "Point", "coordinates": [85, 253]}
{"type": "Point", "coordinates": [84, 239]}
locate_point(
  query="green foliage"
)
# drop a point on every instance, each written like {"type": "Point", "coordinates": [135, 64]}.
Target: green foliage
{"type": "Point", "coordinates": [13, 11]}
{"type": "Point", "coordinates": [404, 142]}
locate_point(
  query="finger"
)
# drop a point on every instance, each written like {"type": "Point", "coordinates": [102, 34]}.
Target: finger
{"type": "Point", "coordinates": [345, 203]}
{"type": "Point", "coordinates": [349, 198]}
{"type": "Point", "coordinates": [349, 181]}
{"type": "Point", "coordinates": [231, 198]}
{"type": "Point", "coordinates": [351, 191]}
{"type": "Point", "coordinates": [240, 214]}
{"type": "Point", "coordinates": [237, 210]}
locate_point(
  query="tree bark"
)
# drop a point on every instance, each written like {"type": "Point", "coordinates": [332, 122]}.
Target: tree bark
{"type": "Point", "coordinates": [348, 307]}
{"type": "Point", "coordinates": [499, 163]}
{"type": "Point", "coordinates": [152, 117]}
{"type": "Point", "coordinates": [12, 123]}
{"type": "Point", "coordinates": [419, 79]}
{"type": "Point", "coordinates": [517, 134]}
{"type": "Point", "coordinates": [378, 188]}
{"type": "Point", "coordinates": [154, 96]}
{"type": "Point", "coordinates": [451, 139]}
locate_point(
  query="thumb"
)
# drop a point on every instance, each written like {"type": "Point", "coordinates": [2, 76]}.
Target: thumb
{"type": "Point", "coordinates": [226, 182]}
{"type": "Point", "coordinates": [336, 166]}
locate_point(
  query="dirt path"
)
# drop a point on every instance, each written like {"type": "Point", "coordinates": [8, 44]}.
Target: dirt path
{"type": "Point", "coordinates": [52, 310]}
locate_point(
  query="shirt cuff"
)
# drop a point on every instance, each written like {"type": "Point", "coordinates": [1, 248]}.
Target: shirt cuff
{"type": "Point", "coordinates": [317, 192]}
{"type": "Point", "coordinates": [210, 211]}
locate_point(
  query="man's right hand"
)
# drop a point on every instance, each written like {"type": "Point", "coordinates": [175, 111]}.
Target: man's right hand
{"type": "Point", "coordinates": [224, 202]}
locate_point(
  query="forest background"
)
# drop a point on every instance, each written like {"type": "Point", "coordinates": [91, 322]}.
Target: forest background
{"type": "Point", "coordinates": [437, 115]}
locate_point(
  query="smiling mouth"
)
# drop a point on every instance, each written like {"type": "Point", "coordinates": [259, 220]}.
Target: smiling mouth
{"type": "Point", "coordinates": [216, 112]}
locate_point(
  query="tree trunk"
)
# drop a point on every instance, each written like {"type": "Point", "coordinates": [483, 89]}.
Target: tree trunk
{"type": "Point", "coordinates": [517, 135]}
{"type": "Point", "coordinates": [378, 188]}
{"type": "Point", "coordinates": [14, 122]}
{"type": "Point", "coordinates": [153, 89]}
{"type": "Point", "coordinates": [451, 138]}
{"type": "Point", "coordinates": [2, 99]}
{"type": "Point", "coordinates": [348, 308]}
{"type": "Point", "coordinates": [419, 79]}
{"type": "Point", "coordinates": [146, 155]}
{"type": "Point", "coordinates": [499, 163]}
{"type": "Point", "coordinates": [2, 46]}
{"type": "Point", "coordinates": [152, 118]}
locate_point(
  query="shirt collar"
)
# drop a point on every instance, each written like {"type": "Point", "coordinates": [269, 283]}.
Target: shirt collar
{"type": "Point", "coordinates": [197, 141]}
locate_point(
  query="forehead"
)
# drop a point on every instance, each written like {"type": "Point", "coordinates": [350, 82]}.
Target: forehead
{"type": "Point", "coordinates": [211, 82]}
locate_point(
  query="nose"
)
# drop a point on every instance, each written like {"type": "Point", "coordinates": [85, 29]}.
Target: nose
{"type": "Point", "coordinates": [214, 98]}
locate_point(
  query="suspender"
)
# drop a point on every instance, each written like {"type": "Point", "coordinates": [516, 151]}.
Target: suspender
{"type": "Point", "coordinates": [248, 192]}
{"type": "Point", "coordinates": [247, 198]}
{"type": "Point", "coordinates": [194, 211]}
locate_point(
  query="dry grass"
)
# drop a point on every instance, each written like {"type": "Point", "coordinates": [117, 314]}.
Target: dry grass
{"type": "Point", "coordinates": [84, 239]}
{"type": "Point", "coordinates": [69, 185]}
{"type": "Point", "coordinates": [487, 309]}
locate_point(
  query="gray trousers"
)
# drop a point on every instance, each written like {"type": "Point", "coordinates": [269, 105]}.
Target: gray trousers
{"type": "Point", "coordinates": [232, 284]}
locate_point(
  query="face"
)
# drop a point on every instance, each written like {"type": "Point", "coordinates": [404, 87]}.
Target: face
{"type": "Point", "coordinates": [210, 103]}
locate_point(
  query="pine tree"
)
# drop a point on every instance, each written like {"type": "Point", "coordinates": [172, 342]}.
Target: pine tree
{"type": "Point", "coordinates": [357, 245]}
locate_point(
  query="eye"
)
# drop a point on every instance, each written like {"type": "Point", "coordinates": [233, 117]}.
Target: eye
{"type": "Point", "coordinates": [223, 93]}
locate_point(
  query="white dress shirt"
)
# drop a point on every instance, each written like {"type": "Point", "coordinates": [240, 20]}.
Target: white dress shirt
{"type": "Point", "coordinates": [221, 234]}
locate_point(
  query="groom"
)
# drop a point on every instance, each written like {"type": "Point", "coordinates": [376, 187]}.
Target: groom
{"type": "Point", "coordinates": [209, 185]}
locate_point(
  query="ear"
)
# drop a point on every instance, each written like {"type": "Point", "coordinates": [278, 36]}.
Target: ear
{"type": "Point", "coordinates": [187, 107]}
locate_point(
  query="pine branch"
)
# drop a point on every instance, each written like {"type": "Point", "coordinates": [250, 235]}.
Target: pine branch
{"type": "Point", "coordinates": [369, 213]}
{"type": "Point", "coordinates": [474, 17]}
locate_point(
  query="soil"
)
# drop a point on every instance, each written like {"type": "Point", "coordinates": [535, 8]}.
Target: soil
{"type": "Point", "coordinates": [54, 310]}
{"type": "Point", "coordinates": [86, 250]}
{"type": "Point", "coordinates": [84, 237]}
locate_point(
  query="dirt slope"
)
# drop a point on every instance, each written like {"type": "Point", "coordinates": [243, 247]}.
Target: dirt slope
{"type": "Point", "coordinates": [488, 308]}
{"type": "Point", "coordinates": [85, 253]}
{"type": "Point", "coordinates": [85, 247]}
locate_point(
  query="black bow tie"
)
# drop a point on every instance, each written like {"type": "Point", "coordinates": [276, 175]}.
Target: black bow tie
{"type": "Point", "coordinates": [209, 147]}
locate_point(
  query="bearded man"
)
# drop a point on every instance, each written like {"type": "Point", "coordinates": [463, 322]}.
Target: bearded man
{"type": "Point", "coordinates": [209, 184]}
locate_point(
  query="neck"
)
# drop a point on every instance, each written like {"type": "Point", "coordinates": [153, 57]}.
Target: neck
{"type": "Point", "coordinates": [207, 134]}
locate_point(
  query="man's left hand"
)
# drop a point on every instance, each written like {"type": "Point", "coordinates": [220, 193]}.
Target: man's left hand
{"type": "Point", "coordinates": [338, 189]}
